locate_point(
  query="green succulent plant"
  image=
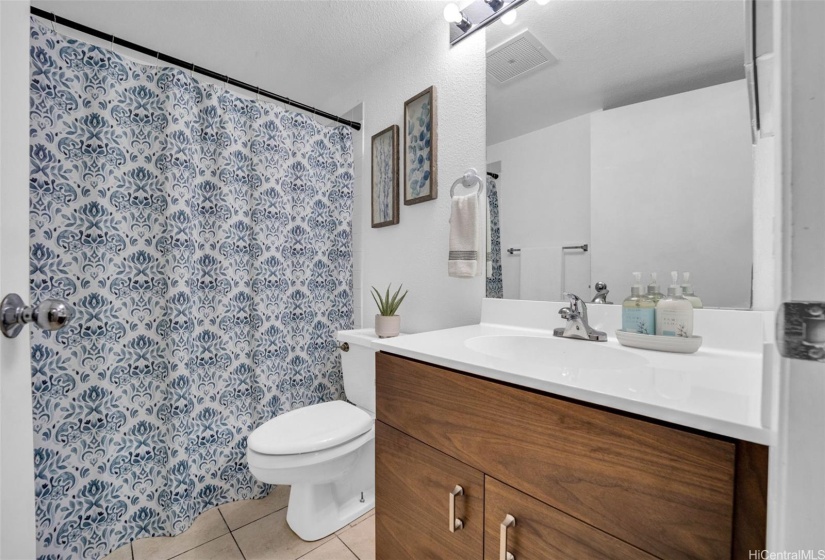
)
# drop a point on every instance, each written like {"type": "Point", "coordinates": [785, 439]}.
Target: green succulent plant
{"type": "Point", "coordinates": [387, 306]}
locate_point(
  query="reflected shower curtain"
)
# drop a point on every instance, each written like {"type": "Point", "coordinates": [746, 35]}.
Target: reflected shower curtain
{"type": "Point", "coordinates": [204, 240]}
{"type": "Point", "coordinates": [495, 284]}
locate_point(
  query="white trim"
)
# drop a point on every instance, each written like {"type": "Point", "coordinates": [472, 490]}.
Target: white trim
{"type": "Point", "coordinates": [17, 523]}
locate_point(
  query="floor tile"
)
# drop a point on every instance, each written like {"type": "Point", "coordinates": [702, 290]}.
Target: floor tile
{"type": "Point", "coordinates": [364, 517]}
{"type": "Point", "coordinates": [122, 553]}
{"type": "Point", "coordinates": [361, 539]}
{"type": "Point", "coordinates": [332, 550]}
{"type": "Point", "coordinates": [222, 548]}
{"type": "Point", "coordinates": [271, 538]}
{"type": "Point", "coordinates": [238, 514]}
{"type": "Point", "coordinates": [356, 522]}
{"type": "Point", "coordinates": [208, 526]}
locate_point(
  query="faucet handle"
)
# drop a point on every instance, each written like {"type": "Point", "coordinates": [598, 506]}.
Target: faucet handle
{"type": "Point", "coordinates": [574, 301]}
{"type": "Point", "coordinates": [565, 312]}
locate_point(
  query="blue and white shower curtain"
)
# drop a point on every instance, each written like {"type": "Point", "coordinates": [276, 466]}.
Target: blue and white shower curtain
{"type": "Point", "coordinates": [495, 281]}
{"type": "Point", "coordinates": [204, 240]}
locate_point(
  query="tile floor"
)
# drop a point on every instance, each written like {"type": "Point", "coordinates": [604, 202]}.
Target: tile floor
{"type": "Point", "coordinates": [254, 530]}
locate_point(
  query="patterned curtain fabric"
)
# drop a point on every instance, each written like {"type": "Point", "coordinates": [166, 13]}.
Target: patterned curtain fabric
{"type": "Point", "coordinates": [495, 285]}
{"type": "Point", "coordinates": [204, 240]}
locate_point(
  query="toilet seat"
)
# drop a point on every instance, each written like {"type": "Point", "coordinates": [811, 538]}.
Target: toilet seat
{"type": "Point", "coordinates": [310, 429]}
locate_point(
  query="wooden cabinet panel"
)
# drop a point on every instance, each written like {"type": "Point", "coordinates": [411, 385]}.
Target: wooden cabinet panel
{"type": "Point", "coordinates": [543, 532]}
{"type": "Point", "coordinates": [412, 486]}
{"type": "Point", "coordinates": [667, 491]}
{"type": "Point", "coordinates": [750, 517]}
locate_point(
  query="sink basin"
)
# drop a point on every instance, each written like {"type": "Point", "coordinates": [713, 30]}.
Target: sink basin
{"type": "Point", "coordinates": [555, 352]}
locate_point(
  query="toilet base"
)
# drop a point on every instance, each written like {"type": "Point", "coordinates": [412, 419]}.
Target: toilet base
{"type": "Point", "coordinates": [313, 512]}
{"type": "Point", "coordinates": [316, 511]}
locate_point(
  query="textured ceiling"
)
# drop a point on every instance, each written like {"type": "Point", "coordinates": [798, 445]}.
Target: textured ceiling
{"type": "Point", "coordinates": [613, 53]}
{"type": "Point", "coordinates": [304, 50]}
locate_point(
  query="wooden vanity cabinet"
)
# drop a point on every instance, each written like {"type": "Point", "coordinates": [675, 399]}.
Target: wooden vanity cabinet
{"type": "Point", "coordinates": [413, 483]}
{"type": "Point", "coordinates": [587, 482]}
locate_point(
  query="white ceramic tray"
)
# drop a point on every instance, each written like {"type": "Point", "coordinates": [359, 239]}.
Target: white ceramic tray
{"type": "Point", "coordinates": [680, 344]}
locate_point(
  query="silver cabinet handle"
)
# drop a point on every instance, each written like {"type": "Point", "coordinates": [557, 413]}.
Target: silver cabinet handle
{"type": "Point", "coordinates": [455, 524]}
{"type": "Point", "coordinates": [509, 521]}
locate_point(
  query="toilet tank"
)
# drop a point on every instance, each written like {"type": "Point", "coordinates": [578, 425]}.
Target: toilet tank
{"type": "Point", "coordinates": [358, 366]}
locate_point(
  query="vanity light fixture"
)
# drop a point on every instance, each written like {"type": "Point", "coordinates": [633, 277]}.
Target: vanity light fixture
{"type": "Point", "coordinates": [454, 15]}
{"type": "Point", "coordinates": [477, 15]}
{"type": "Point", "coordinates": [509, 18]}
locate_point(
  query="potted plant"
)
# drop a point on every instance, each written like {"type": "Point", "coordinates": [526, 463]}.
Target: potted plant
{"type": "Point", "coordinates": [387, 323]}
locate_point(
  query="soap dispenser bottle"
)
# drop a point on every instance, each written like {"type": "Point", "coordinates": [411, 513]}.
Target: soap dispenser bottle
{"type": "Point", "coordinates": [638, 311]}
{"type": "Point", "coordinates": [687, 292]}
{"type": "Point", "coordinates": [674, 313]}
{"type": "Point", "coordinates": [653, 289]}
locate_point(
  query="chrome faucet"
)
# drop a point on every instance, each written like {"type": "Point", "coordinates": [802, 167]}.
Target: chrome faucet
{"type": "Point", "coordinates": [577, 325]}
{"type": "Point", "coordinates": [601, 293]}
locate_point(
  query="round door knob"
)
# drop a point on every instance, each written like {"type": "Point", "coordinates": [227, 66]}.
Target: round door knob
{"type": "Point", "coordinates": [50, 315]}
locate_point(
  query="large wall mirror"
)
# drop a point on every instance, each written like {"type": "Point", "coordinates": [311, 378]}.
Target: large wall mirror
{"type": "Point", "coordinates": [622, 125]}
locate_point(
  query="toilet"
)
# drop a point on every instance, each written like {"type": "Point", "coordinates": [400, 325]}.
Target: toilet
{"type": "Point", "coordinates": [326, 451]}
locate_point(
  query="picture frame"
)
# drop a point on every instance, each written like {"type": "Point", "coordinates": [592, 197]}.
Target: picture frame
{"type": "Point", "coordinates": [384, 191]}
{"type": "Point", "coordinates": [420, 148]}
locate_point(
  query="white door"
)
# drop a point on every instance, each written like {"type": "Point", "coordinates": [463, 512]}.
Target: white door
{"type": "Point", "coordinates": [17, 536]}
{"type": "Point", "coordinates": [800, 495]}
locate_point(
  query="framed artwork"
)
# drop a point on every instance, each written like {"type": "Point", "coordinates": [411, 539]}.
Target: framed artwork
{"type": "Point", "coordinates": [420, 148]}
{"type": "Point", "coordinates": [385, 177]}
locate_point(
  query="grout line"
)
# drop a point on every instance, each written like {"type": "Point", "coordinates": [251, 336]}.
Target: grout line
{"type": "Point", "coordinates": [323, 542]}
{"type": "Point", "coordinates": [347, 546]}
{"type": "Point", "coordinates": [206, 542]}
{"type": "Point", "coordinates": [254, 520]}
{"type": "Point", "coordinates": [194, 547]}
{"type": "Point", "coordinates": [238, 546]}
{"type": "Point", "coordinates": [210, 540]}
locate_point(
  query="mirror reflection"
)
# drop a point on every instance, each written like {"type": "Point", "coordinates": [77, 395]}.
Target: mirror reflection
{"type": "Point", "coordinates": [622, 126]}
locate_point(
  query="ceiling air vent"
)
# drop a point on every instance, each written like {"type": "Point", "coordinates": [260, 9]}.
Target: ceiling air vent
{"type": "Point", "coordinates": [516, 56]}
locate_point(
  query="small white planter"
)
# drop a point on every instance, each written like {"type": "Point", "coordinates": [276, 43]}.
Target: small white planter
{"type": "Point", "coordinates": [387, 327]}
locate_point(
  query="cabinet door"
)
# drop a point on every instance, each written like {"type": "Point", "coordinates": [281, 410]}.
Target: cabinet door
{"type": "Point", "coordinates": [413, 484]}
{"type": "Point", "coordinates": [539, 531]}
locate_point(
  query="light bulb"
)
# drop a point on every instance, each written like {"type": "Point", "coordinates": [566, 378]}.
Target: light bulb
{"type": "Point", "coordinates": [542, 2]}
{"type": "Point", "coordinates": [509, 17]}
{"type": "Point", "coordinates": [452, 13]}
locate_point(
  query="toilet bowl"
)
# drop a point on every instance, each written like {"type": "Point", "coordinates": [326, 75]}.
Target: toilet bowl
{"type": "Point", "coordinates": [326, 451]}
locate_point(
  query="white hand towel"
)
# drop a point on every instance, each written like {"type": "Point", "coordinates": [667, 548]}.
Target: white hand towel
{"type": "Point", "coordinates": [541, 274]}
{"type": "Point", "coordinates": [488, 256]}
{"type": "Point", "coordinates": [463, 259]}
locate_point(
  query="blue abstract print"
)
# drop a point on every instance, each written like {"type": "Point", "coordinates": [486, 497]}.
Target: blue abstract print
{"type": "Point", "coordinates": [205, 241]}
{"type": "Point", "coordinates": [419, 147]}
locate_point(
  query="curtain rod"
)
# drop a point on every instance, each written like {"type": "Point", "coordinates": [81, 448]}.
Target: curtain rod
{"type": "Point", "coordinates": [50, 16]}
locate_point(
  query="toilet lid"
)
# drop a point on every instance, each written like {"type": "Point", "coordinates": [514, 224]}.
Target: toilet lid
{"type": "Point", "coordinates": [308, 429]}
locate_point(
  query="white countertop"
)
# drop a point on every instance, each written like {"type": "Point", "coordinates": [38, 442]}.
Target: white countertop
{"type": "Point", "coordinates": [714, 390]}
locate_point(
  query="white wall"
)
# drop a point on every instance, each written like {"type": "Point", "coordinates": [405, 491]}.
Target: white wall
{"type": "Point", "coordinates": [544, 199]}
{"type": "Point", "coordinates": [17, 536]}
{"type": "Point", "coordinates": [415, 251]}
{"type": "Point", "coordinates": [675, 175]}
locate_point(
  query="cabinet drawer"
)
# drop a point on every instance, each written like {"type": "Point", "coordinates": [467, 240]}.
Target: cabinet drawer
{"type": "Point", "coordinates": [667, 491]}
{"type": "Point", "coordinates": [412, 491]}
{"type": "Point", "coordinates": [541, 531]}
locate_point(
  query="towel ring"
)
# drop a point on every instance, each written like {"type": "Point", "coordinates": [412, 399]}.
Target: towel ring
{"type": "Point", "coordinates": [468, 180]}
